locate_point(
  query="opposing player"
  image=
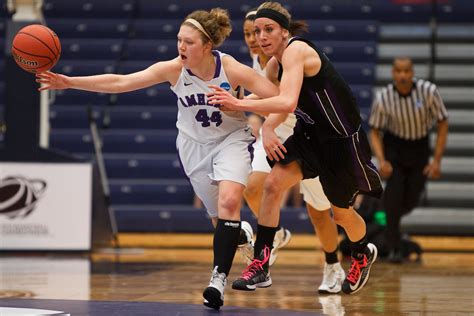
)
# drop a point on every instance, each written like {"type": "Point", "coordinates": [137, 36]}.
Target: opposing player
{"type": "Point", "coordinates": [213, 145]}
{"type": "Point", "coordinates": [316, 202]}
{"type": "Point", "coordinates": [327, 142]}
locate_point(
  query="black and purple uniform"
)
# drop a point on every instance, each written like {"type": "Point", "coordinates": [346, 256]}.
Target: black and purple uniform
{"type": "Point", "coordinates": [328, 140]}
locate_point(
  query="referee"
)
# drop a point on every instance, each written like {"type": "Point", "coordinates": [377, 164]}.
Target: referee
{"type": "Point", "coordinates": [401, 117]}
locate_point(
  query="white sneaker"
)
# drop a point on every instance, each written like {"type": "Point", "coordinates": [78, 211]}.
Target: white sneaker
{"type": "Point", "coordinates": [282, 238]}
{"type": "Point", "coordinates": [247, 249]}
{"type": "Point", "coordinates": [214, 293]}
{"type": "Point", "coordinates": [332, 305]}
{"type": "Point", "coordinates": [333, 276]}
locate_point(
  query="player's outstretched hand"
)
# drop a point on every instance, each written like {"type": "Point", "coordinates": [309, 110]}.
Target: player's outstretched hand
{"type": "Point", "coordinates": [223, 98]}
{"type": "Point", "coordinates": [52, 81]}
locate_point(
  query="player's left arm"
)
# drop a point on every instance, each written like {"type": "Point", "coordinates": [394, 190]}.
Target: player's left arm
{"type": "Point", "coordinates": [246, 77]}
{"type": "Point", "coordinates": [285, 102]}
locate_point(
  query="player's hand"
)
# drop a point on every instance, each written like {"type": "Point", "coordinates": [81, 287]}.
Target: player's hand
{"type": "Point", "coordinates": [52, 81]}
{"type": "Point", "coordinates": [432, 170]}
{"type": "Point", "coordinates": [223, 98]}
{"type": "Point", "coordinates": [272, 145]}
{"type": "Point", "coordinates": [385, 169]}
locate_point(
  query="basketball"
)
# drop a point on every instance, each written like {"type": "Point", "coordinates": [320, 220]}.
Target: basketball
{"type": "Point", "coordinates": [36, 48]}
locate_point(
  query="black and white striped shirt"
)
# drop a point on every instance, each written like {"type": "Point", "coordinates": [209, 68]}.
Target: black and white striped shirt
{"type": "Point", "coordinates": [408, 117]}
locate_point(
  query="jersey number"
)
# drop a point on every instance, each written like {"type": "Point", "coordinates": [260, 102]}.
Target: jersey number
{"type": "Point", "coordinates": [205, 120]}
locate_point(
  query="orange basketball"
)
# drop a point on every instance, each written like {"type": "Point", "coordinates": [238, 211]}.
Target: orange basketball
{"type": "Point", "coordinates": [36, 48]}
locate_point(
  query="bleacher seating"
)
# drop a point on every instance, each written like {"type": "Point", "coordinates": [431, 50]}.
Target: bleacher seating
{"type": "Point", "coordinates": [75, 117]}
{"type": "Point", "coordinates": [130, 35]}
{"type": "Point", "coordinates": [116, 141]}
{"type": "Point", "coordinates": [175, 9]}
{"type": "Point", "coordinates": [152, 192]}
{"type": "Point", "coordinates": [89, 9]}
{"type": "Point", "coordinates": [75, 67]}
{"type": "Point", "coordinates": [161, 166]}
{"type": "Point", "coordinates": [92, 49]}
{"type": "Point", "coordinates": [2, 90]}
{"type": "Point", "coordinates": [455, 11]}
{"type": "Point", "coordinates": [2, 102]}
{"type": "Point", "coordinates": [78, 97]}
{"type": "Point", "coordinates": [90, 28]}
{"type": "Point", "coordinates": [123, 36]}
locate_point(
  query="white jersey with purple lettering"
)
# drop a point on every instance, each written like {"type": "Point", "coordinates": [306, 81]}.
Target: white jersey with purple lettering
{"type": "Point", "coordinates": [213, 146]}
{"type": "Point", "coordinates": [198, 120]}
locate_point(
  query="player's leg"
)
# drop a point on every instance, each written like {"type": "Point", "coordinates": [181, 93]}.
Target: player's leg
{"type": "Point", "coordinates": [253, 195]}
{"type": "Point", "coordinates": [260, 169]}
{"type": "Point", "coordinates": [254, 191]}
{"type": "Point", "coordinates": [347, 170]}
{"type": "Point", "coordinates": [319, 211]}
{"type": "Point", "coordinates": [363, 253]}
{"type": "Point", "coordinates": [341, 189]}
{"type": "Point", "coordinates": [230, 170]}
{"type": "Point", "coordinates": [280, 179]}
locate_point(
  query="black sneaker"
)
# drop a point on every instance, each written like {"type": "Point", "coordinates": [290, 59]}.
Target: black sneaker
{"type": "Point", "coordinates": [359, 271]}
{"type": "Point", "coordinates": [254, 275]}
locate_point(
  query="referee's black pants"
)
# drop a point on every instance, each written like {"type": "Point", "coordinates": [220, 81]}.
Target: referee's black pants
{"type": "Point", "coordinates": [407, 182]}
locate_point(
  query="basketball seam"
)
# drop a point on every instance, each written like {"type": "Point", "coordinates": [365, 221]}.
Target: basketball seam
{"type": "Point", "coordinates": [21, 51]}
{"type": "Point", "coordinates": [39, 40]}
{"type": "Point", "coordinates": [51, 34]}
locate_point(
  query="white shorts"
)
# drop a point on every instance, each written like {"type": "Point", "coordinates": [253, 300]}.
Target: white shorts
{"type": "Point", "coordinates": [259, 162]}
{"type": "Point", "coordinates": [207, 164]}
{"type": "Point", "coordinates": [311, 189]}
{"type": "Point", "coordinates": [313, 194]}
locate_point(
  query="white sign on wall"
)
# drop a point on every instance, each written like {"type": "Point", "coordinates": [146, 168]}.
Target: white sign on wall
{"type": "Point", "coordinates": [45, 206]}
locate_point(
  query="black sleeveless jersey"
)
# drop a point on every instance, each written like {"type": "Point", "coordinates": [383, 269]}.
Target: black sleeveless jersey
{"type": "Point", "coordinates": [326, 106]}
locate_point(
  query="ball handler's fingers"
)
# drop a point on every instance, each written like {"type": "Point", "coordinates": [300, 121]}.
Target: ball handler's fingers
{"type": "Point", "coordinates": [225, 109]}
{"type": "Point", "coordinates": [279, 153]}
{"type": "Point", "coordinates": [215, 88]}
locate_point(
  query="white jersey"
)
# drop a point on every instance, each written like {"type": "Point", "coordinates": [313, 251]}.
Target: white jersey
{"type": "Point", "coordinates": [256, 66]}
{"type": "Point", "coordinates": [198, 120]}
{"type": "Point", "coordinates": [285, 129]}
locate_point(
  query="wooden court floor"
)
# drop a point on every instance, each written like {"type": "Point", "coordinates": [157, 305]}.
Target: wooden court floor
{"type": "Point", "coordinates": [176, 268]}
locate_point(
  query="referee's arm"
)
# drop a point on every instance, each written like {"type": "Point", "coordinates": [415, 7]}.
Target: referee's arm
{"type": "Point", "coordinates": [433, 169]}
{"type": "Point", "coordinates": [377, 122]}
{"type": "Point", "coordinates": [438, 110]}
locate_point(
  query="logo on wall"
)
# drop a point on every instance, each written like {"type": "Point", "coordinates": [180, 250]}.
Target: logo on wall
{"type": "Point", "coordinates": [19, 196]}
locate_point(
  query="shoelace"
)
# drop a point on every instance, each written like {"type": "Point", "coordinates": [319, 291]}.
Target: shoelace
{"type": "Point", "coordinates": [256, 265]}
{"type": "Point", "coordinates": [354, 271]}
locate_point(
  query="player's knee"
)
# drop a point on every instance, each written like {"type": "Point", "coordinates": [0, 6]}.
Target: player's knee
{"type": "Point", "coordinates": [272, 185]}
{"type": "Point", "coordinates": [252, 190]}
{"type": "Point", "coordinates": [229, 202]}
{"type": "Point", "coordinates": [320, 216]}
{"type": "Point", "coordinates": [343, 218]}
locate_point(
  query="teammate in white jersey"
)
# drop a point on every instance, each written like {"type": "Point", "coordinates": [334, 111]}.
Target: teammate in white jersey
{"type": "Point", "coordinates": [317, 204]}
{"type": "Point", "coordinates": [213, 145]}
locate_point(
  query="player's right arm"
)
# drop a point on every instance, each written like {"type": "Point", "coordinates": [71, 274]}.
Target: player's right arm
{"type": "Point", "coordinates": [166, 71]}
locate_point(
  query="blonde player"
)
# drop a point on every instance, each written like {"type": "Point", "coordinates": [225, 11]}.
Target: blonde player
{"type": "Point", "coordinates": [317, 203]}
{"type": "Point", "coordinates": [212, 144]}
